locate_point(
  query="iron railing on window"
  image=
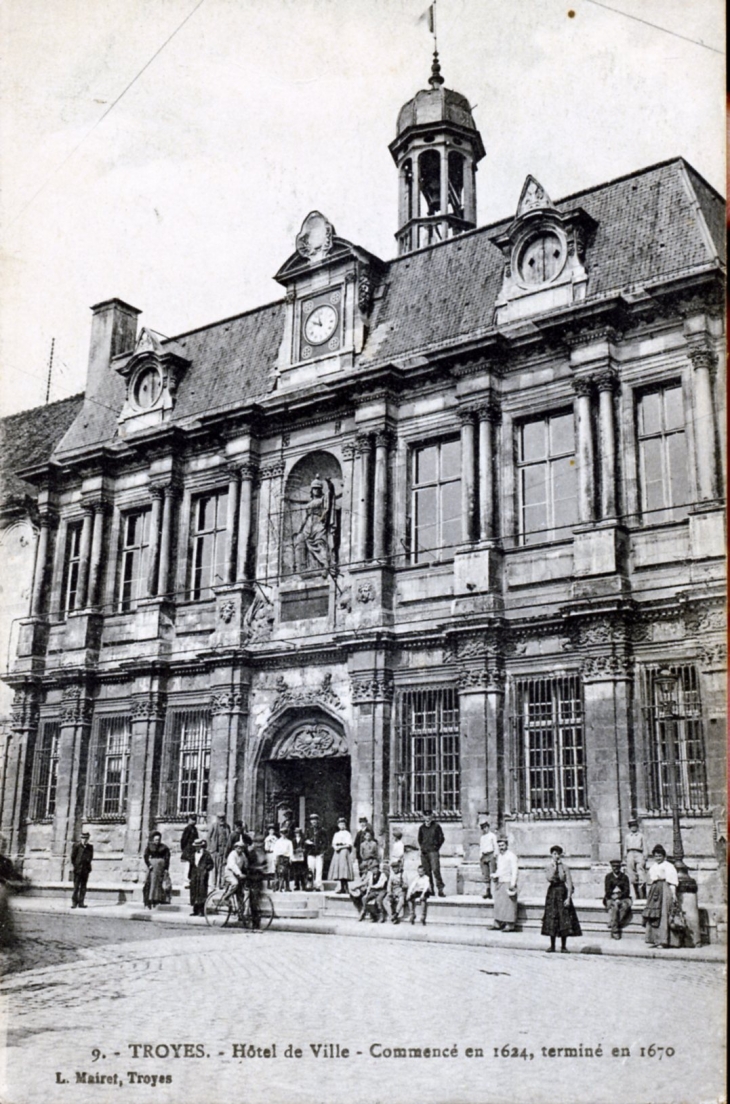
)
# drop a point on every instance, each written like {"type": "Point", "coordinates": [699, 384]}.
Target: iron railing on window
{"type": "Point", "coordinates": [186, 763]}
{"type": "Point", "coordinates": [548, 766]}
{"type": "Point", "coordinates": [109, 767]}
{"type": "Point", "coordinates": [680, 738]}
{"type": "Point", "coordinates": [428, 773]}
{"type": "Point", "coordinates": [45, 772]}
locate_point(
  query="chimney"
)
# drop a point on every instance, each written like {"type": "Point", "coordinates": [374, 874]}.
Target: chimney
{"type": "Point", "coordinates": [113, 331]}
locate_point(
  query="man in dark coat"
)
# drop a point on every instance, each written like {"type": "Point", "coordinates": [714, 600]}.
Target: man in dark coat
{"type": "Point", "coordinates": [217, 843]}
{"type": "Point", "coordinates": [188, 838]}
{"type": "Point", "coordinates": [239, 833]}
{"type": "Point", "coordinates": [430, 841]}
{"type": "Point", "coordinates": [617, 898]}
{"type": "Point", "coordinates": [82, 854]}
{"type": "Point", "coordinates": [200, 870]}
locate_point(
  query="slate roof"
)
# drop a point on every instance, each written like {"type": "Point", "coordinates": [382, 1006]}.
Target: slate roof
{"type": "Point", "coordinates": [29, 438]}
{"type": "Point", "coordinates": [658, 223]}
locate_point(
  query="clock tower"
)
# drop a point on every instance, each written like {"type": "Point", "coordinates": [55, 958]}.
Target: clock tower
{"type": "Point", "coordinates": [436, 149]}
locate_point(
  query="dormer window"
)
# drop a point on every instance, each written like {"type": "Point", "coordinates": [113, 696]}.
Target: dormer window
{"type": "Point", "coordinates": [541, 259]}
{"type": "Point", "coordinates": [147, 388]}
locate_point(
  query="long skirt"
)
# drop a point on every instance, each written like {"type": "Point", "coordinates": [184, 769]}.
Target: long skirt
{"type": "Point", "coordinates": [560, 917]}
{"type": "Point", "coordinates": [655, 917]}
{"type": "Point", "coordinates": [341, 867]}
{"type": "Point", "coordinates": [153, 893]}
{"type": "Point", "coordinates": [505, 907]}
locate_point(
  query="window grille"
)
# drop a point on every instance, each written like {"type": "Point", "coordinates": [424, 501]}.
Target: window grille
{"type": "Point", "coordinates": [548, 490]}
{"type": "Point", "coordinates": [134, 558]}
{"type": "Point", "coordinates": [663, 456]}
{"type": "Point", "coordinates": [72, 567]}
{"type": "Point", "coordinates": [682, 735]}
{"type": "Point", "coordinates": [427, 738]}
{"type": "Point", "coordinates": [109, 767]}
{"type": "Point", "coordinates": [548, 766]}
{"type": "Point", "coordinates": [45, 772]}
{"type": "Point", "coordinates": [435, 508]}
{"type": "Point", "coordinates": [208, 543]}
{"type": "Point", "coordinates": [186, 763]}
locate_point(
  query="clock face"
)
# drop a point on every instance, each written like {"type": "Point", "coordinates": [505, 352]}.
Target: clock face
{"type": "Point", "coordinates": [147, 388]}
{"type": "Point", "coordinates": [321, 324]}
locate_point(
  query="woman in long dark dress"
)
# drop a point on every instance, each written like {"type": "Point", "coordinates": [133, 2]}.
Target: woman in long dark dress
{"type": "Point", "coordinates": [157, 861]}
{"type": "Point", "coordinates": [560, 917]}
{"type": "Point", "coordinates": [200, 869]}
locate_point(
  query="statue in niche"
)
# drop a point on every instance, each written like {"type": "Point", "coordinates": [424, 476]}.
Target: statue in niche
{"type": "Point", "coordinates": [316, 543]}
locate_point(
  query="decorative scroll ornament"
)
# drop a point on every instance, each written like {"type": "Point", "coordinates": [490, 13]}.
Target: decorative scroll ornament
{"type": "Point", "coordinates": [305, 695]}
{"type": "Point", "coordinates": [76, 708]}
{"type": "Point", "coordinates": [374, 687]}
{"type": "Point", "coordinates": [151, 707]}
{"type": "Point", "coordinates": [226, 701]}
{"type": "Point", "coordinates": [314, 240]}
{"type": "Point", "coordinates": [312, 741]}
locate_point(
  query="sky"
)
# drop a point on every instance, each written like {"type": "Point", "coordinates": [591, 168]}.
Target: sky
{"type": "Point", "coordinates": [185, 195]}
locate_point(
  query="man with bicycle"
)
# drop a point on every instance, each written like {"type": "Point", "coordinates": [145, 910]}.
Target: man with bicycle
{"type": "Point", "coordinates": [244, 875]}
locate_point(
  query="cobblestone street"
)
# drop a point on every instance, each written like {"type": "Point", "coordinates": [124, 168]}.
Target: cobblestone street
{"type": "Point", "coordinates": [139, 997]}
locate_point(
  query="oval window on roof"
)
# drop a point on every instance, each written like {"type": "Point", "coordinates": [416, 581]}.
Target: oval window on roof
{"type": "Point", "coordinates": [541, 259]}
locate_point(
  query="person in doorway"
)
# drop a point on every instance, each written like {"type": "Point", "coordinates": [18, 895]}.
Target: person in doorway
{"type": "Point", "coordinates": [418, 894]}
{"type": "Point", "coordinates": [82, 854]}
{"type": "Point", "coordinates": [661, 901]}
{"type": "Point", "coordinates": [187, 842]}
{"type": "Point", "coordinates": [341, 869]}
{"type": "Point", "coordinates": [156, 890]}
{"type": "Point", "coordinates": [240, 832]}
{"type": "Point", "coordinates": [635, 859]}
{"type": "Point", "coordinates": [200, 870]}
{"type": "Point", "coordinates": [299, 870]}
{"type": "Point", "coordinates": [269, 843]}
{"type": "Point", "coordinates": [430, 842]}
{"type": "Point", "coordinates": [487, 856]}
{"type": "Point", "coordinates": [617, 899]}
{"type": "Point", "coordinates": [283, 856]}
{"type": "Point", "coordinates": [217, 842]}
{"type": "Point", "coordinates": [559, 917]}
{"type": "Point", "coordinates": [315, 846]}
{"type": "Point", "coordinates": [505, 888]}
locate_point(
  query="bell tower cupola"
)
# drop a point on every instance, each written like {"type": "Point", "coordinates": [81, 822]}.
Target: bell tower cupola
{"type": "Point", "coordinates": [436, 149]}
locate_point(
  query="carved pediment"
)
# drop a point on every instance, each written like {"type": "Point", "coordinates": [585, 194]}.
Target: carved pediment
{"type": "Point", "coordinates": [311, 741]}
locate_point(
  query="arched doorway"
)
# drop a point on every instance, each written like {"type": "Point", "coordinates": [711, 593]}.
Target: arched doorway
{"type": "Point", "coordinates": [307, 771]}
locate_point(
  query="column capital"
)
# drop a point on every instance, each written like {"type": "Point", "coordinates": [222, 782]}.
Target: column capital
{"type": "Point", "coordinates": [169, 488]}
{"type": "Point", "coordinates": [246, 470]}
{"type": "Point", "coordinates": [348, 450]}
{"type": "Point", "coordinates": [274, 469]}
{"type": "Point", "coordinates": [583, 386]}
{"type": "Point", "coordinates": [384, 437]}
{"type": "Point", "coordinates": [701, 354]}
{"type": "Point", "coordinates": [363, 443]}
{"type": "Point", "coordinates": [607, 380]}
{"type": "Point", "coordinates": [48, 517]}
{"type": "Point", "coordinates": [489, 411]}
{"type": "Point", "coordinates": [467, 414]}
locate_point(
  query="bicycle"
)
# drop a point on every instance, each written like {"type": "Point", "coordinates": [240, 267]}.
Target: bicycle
{"type": "Point", "coordinates": [223, 906]}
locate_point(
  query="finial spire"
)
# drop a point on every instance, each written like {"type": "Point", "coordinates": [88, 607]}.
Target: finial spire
{"type": "Point", "coordinates": [435, 80]}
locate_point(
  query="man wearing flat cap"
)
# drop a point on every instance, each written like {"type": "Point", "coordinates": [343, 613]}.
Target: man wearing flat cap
{"type": "Point", "coordinates": [82, 854]}
{"type": "Point", "coordinates": [617, 899]}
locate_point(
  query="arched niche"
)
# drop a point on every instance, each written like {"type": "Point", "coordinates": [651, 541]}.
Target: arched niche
{"type": "Point", "coordinates": [312, 511]}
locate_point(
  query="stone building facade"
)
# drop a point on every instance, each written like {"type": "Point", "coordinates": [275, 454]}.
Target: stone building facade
{"type": "Point", "coordinates": [421, 533]}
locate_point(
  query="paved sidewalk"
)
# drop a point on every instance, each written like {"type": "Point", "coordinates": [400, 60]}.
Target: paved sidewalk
{"type": "Point", "coordinates": [470, 936]}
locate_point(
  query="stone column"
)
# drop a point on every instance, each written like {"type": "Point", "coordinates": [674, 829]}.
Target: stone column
{"type": "Point", "coordinates": [231, 518]}
{"type": "Point", "coordinates": [363, 446]}
{"type": "Point", "coordinates": [48, 522]}
{"type": "Point", "coordinates": [84, 557]}
{"type": "Point", "coordinates": [59, 556]}
{"type": "Point", "coordinates": [97, 541]}
{"type": "Point", "coordinates": [247, 475]}
{"type": "Point", "coordinates": [606, 383]}
{"type": "Point", "coordinates": [473, 756]}
{"type": "Point", "coordinates": [163, 577]}
{"type": "Point", "coordinates": [73, 747]}
{"type": "Point", "coordinates": [156, 493]}
{"type": "Point", "coordinates": [381, 500]}
{"type": "Point", "coordinates": [148, 722]}
{"type": "Point", "coordinates": [703, 362]}
{"type": "Point", "coordinates": [372, 695]}
{"type": "Point", "coordinates": [19, 743]}
{"type": "Point", "coordinates": [226, 707]}
{"type": "Point", "coordinates": [468, 474]}
{"type": "Point", "coordinates": [584, 448]}
{"type": "Point", "coordinates": [488, 415]}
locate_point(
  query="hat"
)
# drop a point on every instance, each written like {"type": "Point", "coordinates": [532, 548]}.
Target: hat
{"type": "Point", "coordinates": [556, 847]}
{"type": "Point", "coordinates": [659, 850]}
{"type": "Point", "coordinates": [85, 835]}
{"type": "Point", "coordinates": [615, 862]}
{"type": "Point", "coordinates": [314, 816]}
{"type": "Point", "coordinates": [502, 839]}
{"type": "Point", "coordinates": [239, 845]}
{"type": "Point", "coordinates": [200, 843]}
{"type": "Point", "coordinates": [483, 823]}
{"type": "Point", "coordinates": [633, 821]}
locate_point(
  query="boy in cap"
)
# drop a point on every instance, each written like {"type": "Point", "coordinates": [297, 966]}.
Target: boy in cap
{"type": "Point", "coordinates": [396, 891]}
{"type": "Point", "coordinates": [617, 899]}
{"type": "Point", "coordinates": [419, 892]}
{"type": "Point", "coordinates": [635, 850]}
{"type": "Point", "coordinates": [487, 855]}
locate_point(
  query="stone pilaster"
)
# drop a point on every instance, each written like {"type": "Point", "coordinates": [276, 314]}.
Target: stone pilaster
{"type": "Point", "coordinates": [584, 449]}
{"type": "Point", "coordinates": [17, 769]}
{"type": "Point", "coordinates": [48, 523]}
{"type": "Point", "coordinates": [468, 475]}
{"type": "Point", "coordinates": [148, 722]}
{"type": "Point", "coordinates": [228, 705]}
{"type": "Point", "coordinates": [372, 698]}
{"type": "Point", "coordinates": [606, 384]}
{"type": "Point", "coordinates": [704, 362]}
{"type": "Point", "coordinates": [73, 749]}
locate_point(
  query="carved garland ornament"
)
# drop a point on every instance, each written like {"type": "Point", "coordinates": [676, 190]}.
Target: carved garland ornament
{"type": "Point", "coordinates": [305, 695]}
{"type": "Point", "coordinates": [312, 741]}
{"type": "Point", "coordinates": [373, 687]}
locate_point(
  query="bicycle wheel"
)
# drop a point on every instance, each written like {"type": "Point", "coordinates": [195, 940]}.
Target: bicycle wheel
{"type": "Point", "coordinates": [219, 908]}
{"type": "Point", "coordinates": [265, 913]}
